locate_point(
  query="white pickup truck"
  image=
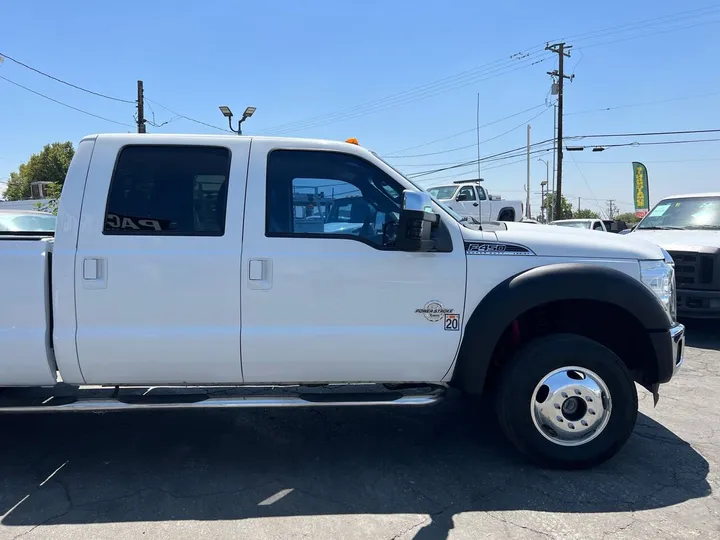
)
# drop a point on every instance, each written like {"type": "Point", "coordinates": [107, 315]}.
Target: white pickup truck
{"type": "Point", "coordinates": [182, 274]}
{"type": "Point", "coordinates": [469, 198]}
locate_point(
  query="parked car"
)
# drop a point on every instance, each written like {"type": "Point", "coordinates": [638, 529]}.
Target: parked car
{"type": "Point", "coordinates": [177, 262]}
{"type": "Point", "coordinates": [604, 225]}
{"type": "Point", "coordinates": [469, 197]}
{"type": "Point", "coordinates": [26, 221]}
{"type": "Point", "coordinates": [688, 227]}
{"type": "Point", "coordinates": [590, 224]}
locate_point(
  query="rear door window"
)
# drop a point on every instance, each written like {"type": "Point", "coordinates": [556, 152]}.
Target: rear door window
{"type": "Point", "coordinates": [169, 191]}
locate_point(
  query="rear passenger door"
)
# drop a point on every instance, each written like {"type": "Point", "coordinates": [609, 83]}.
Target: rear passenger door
{"type": "Point", "coordinates": [157, 269]}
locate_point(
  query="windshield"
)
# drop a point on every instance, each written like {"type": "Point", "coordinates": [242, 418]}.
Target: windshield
{"type": "Point", "coordinates": [443, 192]}
{"type": "Point", "coordinates": [26, 222]}
{"type": "Point", "coordinates": [576, 224]}
{"type": "Point", "coordinates": [684, 213]}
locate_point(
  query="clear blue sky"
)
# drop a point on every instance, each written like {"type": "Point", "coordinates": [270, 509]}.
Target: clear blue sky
{"type": "Point", "coordinates": [318, 64]}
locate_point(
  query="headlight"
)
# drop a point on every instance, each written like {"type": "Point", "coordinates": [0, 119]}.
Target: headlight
{"type": "Point", "coordinates": [659, 277]}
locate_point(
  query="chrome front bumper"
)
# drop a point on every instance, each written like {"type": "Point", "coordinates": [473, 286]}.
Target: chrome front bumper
{"type": "Point", "coordinates": [677, 336]}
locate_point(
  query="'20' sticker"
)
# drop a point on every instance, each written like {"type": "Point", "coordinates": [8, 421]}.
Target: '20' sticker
{"type": "Point", "coordinates": [452, 322]}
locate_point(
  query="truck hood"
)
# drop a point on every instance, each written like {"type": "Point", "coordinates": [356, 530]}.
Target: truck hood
{"type": "Point", "coordinates": [550, 241]}
{"type": "Point", "coordinates": [679, 240]}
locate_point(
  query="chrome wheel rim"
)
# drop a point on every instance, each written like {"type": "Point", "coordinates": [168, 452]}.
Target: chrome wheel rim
{"type": "Point", "coordinates": [571, 406]}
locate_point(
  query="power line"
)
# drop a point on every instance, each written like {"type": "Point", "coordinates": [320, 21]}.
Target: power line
{"type": "Point", "coordinates": [187, 117]}
{"type": "Point", "coordinates": [651, 161]}
{"type": "Point", "coordinates": [646, 23]}
{"type": "Point", "coordinates": [414, 96]}
{"type": "Point", "coordinates": [470, 76]}
{"type": "Point", "coordinates": [643, 104]}
{"type": "Point", "coordinates": [635, 143]}
{"type": "Point", "coordinates": [472, 145]}
{"type": "Point", "coordinates": [664, 142]}
{"type": "Point", "coordinates": [649, 34]}
{"type": "Point", "coordinates": [65, 104]}
{"type": "Point", "coordinates": [645, 134]}
{"type": "Point", "coordinates": [471, 130]}
{"type": "Point", "coordinates": [508, 154]}
{"type": "Point", "coordinates": [517, 152]}
{"type": "Point", "coordinates": [3, 55]}
{"type": "Point", "coordinates": [586, 182]}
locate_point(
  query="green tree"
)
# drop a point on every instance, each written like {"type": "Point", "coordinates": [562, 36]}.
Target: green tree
{"type": "Point", "coordinates": [628, 217]}
{"type": "Point", "coordinates": [17, 187]}
{"type": "Point", "coordinates": [565, 207]}
{"type": "Point", "coordinates": [49, 165]}
{"type": "Point", "coordinates": [586, 214]}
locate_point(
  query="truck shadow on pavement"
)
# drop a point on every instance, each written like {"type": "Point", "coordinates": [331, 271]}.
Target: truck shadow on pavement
{"type": "Point", "coordinates": [220, 465]}
{"type": "Point", "coordinates": [702, 333]}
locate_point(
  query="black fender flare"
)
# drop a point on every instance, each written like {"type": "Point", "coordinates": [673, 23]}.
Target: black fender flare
{"type": "Point", "coordinates": [543, 285]}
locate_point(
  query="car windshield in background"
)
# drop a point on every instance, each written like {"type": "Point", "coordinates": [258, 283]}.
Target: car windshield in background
{"type": "Point", "coordinates": [443, 192]}
{"type": "Point", "coordinates": [27, 222]}
{"type": "Point", "coordinates": [576, 224]}
{"type": "Point", "coordinates": [684, 213]}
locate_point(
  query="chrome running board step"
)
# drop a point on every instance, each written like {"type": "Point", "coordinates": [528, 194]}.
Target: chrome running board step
{"type": "Point", "coordinates": [68, 398]}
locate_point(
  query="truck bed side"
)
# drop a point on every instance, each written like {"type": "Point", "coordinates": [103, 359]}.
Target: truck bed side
{"type": "Point", "coordinates": [26, 356]}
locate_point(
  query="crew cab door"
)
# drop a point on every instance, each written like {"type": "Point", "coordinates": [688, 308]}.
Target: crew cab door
{"type": "Point", "coordinates": [157, 269]}
{"type": "Point", "coordinates": [329, 300]}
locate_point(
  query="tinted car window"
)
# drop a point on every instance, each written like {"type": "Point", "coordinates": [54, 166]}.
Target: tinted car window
{"type": "Point", "coordinates": [169, 190]}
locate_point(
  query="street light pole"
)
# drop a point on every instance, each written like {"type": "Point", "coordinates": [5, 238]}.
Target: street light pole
{"type": "Point", "coordinates": [527, 189]}
{"type": "Point", "coordinates": [229, 115]}
{"type": "Point", "coordinates": [547, 183]}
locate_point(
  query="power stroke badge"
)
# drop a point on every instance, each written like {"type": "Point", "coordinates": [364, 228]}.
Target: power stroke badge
{"type": "Point", "coordinates": [433, 311]}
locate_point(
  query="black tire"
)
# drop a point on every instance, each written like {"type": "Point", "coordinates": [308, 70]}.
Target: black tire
{"type": "Point", "coordinates": [506, 215]}
{"type": "Point", "coordinates": [530, 365]}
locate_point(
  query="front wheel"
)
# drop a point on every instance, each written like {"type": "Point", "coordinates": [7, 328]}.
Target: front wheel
{"type": "Point", "coordinates": [567, 402]}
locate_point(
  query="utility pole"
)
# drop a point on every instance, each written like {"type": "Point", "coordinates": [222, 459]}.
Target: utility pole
{"type": "Point", "coordinates": [612, 210]}
{"type": "Point", "coordinates": [561, 50]}
{"type": "Point", "coordinates": [551, 209]}
{"type": "Point", "coordinates": [140, 108]}
{"type": "Point", "coordinates": [527, 200]}
{"type": "Point", "coordinates": [578, 204]}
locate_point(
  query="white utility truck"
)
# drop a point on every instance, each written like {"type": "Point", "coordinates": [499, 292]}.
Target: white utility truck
{"type": "Point", "coordinates": [688, 227]}
{"type": "Point", "coordinates": [183, 274]}
{"type": "Point", "coordinates": [470, 198]}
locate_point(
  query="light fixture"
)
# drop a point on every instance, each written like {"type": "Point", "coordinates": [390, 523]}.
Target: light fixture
{"type": "Point", "coordinates": [249, 112]}
{"type": "Point", "coordinates": [226, 111]}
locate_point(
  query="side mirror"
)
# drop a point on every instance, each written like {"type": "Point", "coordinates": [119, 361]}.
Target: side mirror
{"type": "Point", "coordinates": [416, 222]}
{"type": "Point", "coordinates": [461, 197]}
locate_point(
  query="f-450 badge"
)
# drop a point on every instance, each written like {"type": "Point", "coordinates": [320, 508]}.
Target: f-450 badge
{"type": "Point", "coordinates": [495, 248]}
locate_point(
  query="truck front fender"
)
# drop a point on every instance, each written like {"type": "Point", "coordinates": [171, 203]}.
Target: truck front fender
{"type": "Point", "coordinates": [544, 285]}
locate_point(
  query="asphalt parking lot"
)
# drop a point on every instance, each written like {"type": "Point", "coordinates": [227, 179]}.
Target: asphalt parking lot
{"type": "Point", "coordinates": [360, 473]}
